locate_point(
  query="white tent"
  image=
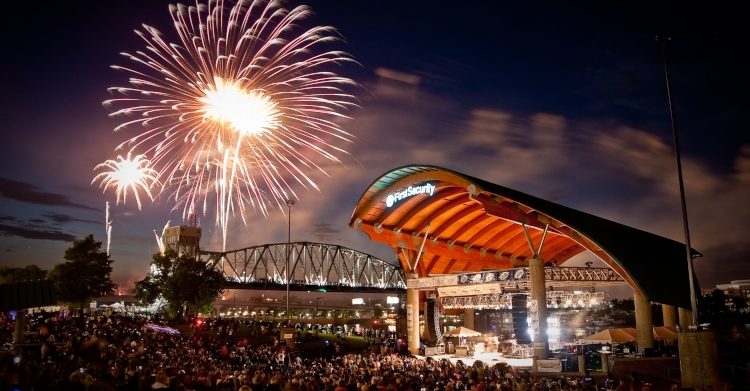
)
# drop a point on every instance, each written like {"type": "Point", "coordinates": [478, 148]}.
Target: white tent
{"type": "Point", "coordinates": [463, 332]}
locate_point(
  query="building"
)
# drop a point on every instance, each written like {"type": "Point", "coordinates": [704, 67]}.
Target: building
{"type": "Point", "coordinates": [739, 288]}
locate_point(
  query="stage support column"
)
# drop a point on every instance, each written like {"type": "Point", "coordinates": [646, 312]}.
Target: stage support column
{"type": "Point", "coordinates": [538, 309]}
{"type": "Point", "coordinates": [20, 326]}
{"type": "Point", "coordinates": [669, 314]}
{"type": "Point", "coordinates": [644, 324]}
{"type": "Point", "coordinates": [469, 318]}
{"type": "Point", "coordinates": [412, 317]}
{"type": "Point", "coordinates": [686, 318]}
{"type": "Point", "coordinates": [605, 363]}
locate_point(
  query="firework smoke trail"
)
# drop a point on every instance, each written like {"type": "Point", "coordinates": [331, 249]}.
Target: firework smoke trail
{"type": "Point", "coordinates": [125, 174]}
{"type": "Point", "coordinates": [108, 226]}
{"type": "Point", "coordinates": [238, 111]}
{"type": "Point", "coordinates": [160, 238]}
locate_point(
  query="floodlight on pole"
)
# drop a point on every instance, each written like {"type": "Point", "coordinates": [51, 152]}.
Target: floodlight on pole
{"type": "Point", "coordinates": [317, 305]}
{"type": "Point", "coordinates": [289, 204]}
{"type": "Point", "coordinates": [663, 40]}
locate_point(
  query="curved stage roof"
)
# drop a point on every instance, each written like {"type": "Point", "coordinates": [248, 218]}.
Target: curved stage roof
{"type": "Point", "coordinates": [472, 225]}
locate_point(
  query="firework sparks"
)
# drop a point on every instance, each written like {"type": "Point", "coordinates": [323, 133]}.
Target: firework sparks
{"type": "Point", "coordinates": [127, 174]}
{"type": "Point", "coordinates": [238, 111]}
{"type": "Point", "coordinates": [160, 239]}
{"type": "Point", "coordinates": [108, 226]}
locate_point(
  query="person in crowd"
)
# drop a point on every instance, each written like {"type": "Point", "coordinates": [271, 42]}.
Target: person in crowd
{"type": "Point", "coordinates": [109, 352]}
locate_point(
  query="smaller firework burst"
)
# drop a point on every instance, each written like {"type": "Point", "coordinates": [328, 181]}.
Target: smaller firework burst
{"type": "Point", "coordinates": [127, 174]}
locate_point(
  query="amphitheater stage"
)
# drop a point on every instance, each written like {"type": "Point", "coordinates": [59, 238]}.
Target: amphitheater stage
{"type": "Point", "coordinates": [487, 358]}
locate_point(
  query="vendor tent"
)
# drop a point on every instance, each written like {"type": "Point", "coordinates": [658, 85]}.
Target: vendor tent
{"type": "Point", "coordinates": [664, 333]}
{"type": "Point", "coordinates": [610, 336]}
{"type": "Point", "coordinates": [463, 332]}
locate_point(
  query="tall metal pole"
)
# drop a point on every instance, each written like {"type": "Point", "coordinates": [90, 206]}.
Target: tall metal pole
{"type": "Point", "coordinates": [317, 304]}
{"type": "Point", "coordinates": [289, 204]}
{"type": "Point", "coordinates": [663, 40]}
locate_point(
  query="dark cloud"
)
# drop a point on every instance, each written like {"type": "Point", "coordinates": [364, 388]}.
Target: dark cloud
{"type": "Point", "coordinates": [7, 218]}
{"type": "Point", "coordinates": [722, 264]}
{"type": "Point", "coordinates": [35, 233]}
{"type": "Point", "coordinates": [26, 192]}
{"type": "Point", "coordinates": [324, 232]}
{"type": "Point", "coordinates": [63, 218]}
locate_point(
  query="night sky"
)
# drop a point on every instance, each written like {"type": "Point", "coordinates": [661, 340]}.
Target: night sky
{"type": "Point", "coordinates": [562, 102]}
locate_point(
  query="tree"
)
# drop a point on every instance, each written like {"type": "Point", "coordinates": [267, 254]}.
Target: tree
{"type": "Point", "coordinates": [20, 274]}
{"type": "Point", "coordinates": [85, 275]}
{"type": "Point", "coordinates": [188, 285]}
{"type": "Point", "coordinates": [713, 305]}
{"type": "Point", "coordinates": [377, 311]}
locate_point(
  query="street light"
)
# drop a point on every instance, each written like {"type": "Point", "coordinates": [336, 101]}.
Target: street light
{"type": "Point", "coordinates": [317, 303]}
{"type": "Point", "coordinates": [289, 204]}
{"type": "Point", "coordinates": [663, 40]}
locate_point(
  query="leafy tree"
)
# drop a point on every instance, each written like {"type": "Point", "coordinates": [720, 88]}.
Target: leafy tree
{"type": "Point", "coordinates": [20, 274]}
{"type": "Point", "coordinates": [739, 303]}
{"type": "Point", "coordinates": [377, 311]}
{"type": "Point", "coordinates": [713, 305]}
{"type": "Point", "coordinates": [85, 275]}
{"type": "Point", "coordinates": [188, 285]}
{"type": "Point", "coordinates": [623, 310]}
{"type": "Point", "coordinates": [623, 304]}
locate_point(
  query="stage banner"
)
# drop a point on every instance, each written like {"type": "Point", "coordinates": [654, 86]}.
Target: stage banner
{"type": "Point", "coordinates": [470, 290]}
{"type": "Point", "coordinates": [409, 317]}
{"type": "Point", "coordinates": [431, 282]}
{"type": "Point", "coordinates": [508, 276]}
{"type": "Point", "coordinates": [534, 315]}
{"type": "Point", "coordinates": [548, 366]}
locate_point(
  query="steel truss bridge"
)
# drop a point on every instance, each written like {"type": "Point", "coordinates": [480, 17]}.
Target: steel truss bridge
{"type": "Point", "coordinates": [311, 266]}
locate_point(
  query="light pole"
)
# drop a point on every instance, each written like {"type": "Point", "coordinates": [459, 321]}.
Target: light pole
{"type": "Point", "coordinates": [289, 204]}
{"type": "Point", "coordinates": [663, 40]}
{"type": "Point", "coordinates": [317, 303]}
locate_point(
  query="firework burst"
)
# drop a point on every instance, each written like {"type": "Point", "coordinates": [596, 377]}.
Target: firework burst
{"type": "Point", "coordinates": [107, 226]}
{"type": "Point", "coordinates": [127, 174]}
{"type": "Point", "coordinates": [243, 107]}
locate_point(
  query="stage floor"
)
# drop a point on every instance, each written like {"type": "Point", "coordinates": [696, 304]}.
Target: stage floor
{"type": "Point", "coordinates": [487, 358]}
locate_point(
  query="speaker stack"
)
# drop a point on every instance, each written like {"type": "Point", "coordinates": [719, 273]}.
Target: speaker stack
{"type": "Point", "coordinates": [432, 318]}
{"type": "Point", "coordinates": [519, 314]}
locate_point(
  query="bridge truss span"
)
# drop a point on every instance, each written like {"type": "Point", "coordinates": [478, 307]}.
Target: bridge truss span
{"type": "Point", "coordinates": [311, 265]}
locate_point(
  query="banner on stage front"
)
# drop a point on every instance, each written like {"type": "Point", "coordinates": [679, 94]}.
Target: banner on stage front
{"type": "Point", "coordinates": [409, 317]}
{"type": "Point", "coordinates": [431, 282]}
{"type": "Point", "coordinates": [470, 290]}
{"type": "Point", "coordinates": [548, 366]}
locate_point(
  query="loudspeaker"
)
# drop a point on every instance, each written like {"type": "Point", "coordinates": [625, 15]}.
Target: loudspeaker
{"type": "Point", "coordinates": [519, 314]}
{"type": "Point", "coordinates": [432, 320]}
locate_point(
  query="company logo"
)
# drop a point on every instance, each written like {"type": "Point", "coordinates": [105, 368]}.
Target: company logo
{"type": "Point", "coordinates": [424, 188]}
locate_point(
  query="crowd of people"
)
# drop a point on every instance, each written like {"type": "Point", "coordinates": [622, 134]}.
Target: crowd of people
{"type": "Point", "coordinates": [110, 352]}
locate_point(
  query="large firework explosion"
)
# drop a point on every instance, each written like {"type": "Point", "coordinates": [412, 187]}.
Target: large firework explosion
{"type": "Point", "coordinates": [240, 110]}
